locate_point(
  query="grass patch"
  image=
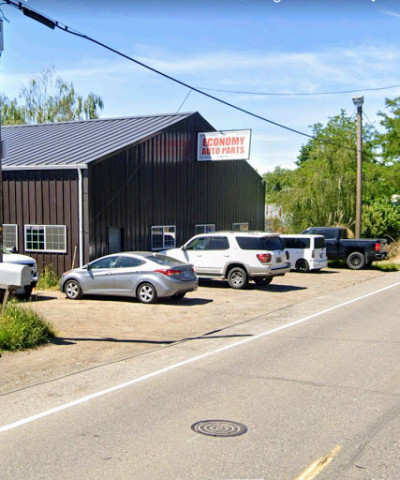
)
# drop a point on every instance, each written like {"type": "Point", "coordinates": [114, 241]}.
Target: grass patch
{"type": "Point", "coordinates": [337, 264]}
{"type": "Point", "coordinates": [48, 279]}
{"type": "Point", "coordinates": [22, 328]}
{"type": "Point", "coordinates": [382, 266]}
{"type": "Point", "coordinates": [386, 266]}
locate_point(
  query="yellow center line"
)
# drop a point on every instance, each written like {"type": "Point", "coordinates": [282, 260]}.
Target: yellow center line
{"type": "Point", "coordinates": [318, 465]}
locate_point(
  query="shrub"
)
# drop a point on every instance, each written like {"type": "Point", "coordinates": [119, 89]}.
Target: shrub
{"type": "Point", "coordinates": [22, 328]}
{"type": "Point", "coordinates": [394, 249]}
{"type": "Point", "coordinates": [381, 219]}
{"type": "Point", "coordinates": [48, 278]}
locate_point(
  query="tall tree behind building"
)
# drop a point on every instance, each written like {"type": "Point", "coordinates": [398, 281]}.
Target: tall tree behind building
{"type": "Point", "coordinates": [321, 191]}
{"type": "Point", "coordinates": [49, 98]}
{"type": "Point", "coordinates": [390, 139]}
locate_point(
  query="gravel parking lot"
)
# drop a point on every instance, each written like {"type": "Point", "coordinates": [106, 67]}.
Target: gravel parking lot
{"type": "Point", "coordinates": [94, 331]}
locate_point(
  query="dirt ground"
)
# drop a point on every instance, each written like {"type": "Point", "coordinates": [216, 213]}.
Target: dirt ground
{"type": "Point", "coordinates": [100, 330]}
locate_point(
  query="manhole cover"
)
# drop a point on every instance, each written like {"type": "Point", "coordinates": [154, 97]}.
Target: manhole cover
{"type": "Point", "coordinates": [219, 428]}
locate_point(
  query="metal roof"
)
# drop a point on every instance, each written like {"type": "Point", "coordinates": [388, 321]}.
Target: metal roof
{"type": "Point", "coordinates": [77, 143]}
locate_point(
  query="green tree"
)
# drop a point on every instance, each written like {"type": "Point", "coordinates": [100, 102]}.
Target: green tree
{"type": "Point", "coordinates": [48, 98]}
{"type": "Point", "coordinates": [276, 184]}
{"type": "Point", "coordinates": [321, 191]}
{"type": "Point", "coordinates": [11, 113]}
{"type": "Point", "coordinates": [390, 140]}
{"type": "Point", "coordinates": [276, 181]}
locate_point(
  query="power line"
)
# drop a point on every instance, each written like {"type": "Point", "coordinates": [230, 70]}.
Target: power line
{"type": "Point", "coordinates": [55, 24]}
{"type": "Point", "coordinates": [180, 82]}
{"type": "Point", "coordinates": [369, 121]}
{"type": "Point", "coordinates": [283, 94]}
{"type": "Point", "coordinates": [184, 101]}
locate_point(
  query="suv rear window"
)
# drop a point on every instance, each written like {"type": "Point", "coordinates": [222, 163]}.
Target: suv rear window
{"type": "Point", "coordinates": [302, 243]}
{"type": "Point", "coordinates": [294, 242]}
{"type": "Point", "coordinates": [208, 243]}
{"type": "Point", "coordinates": [289, 242]}
{"type": "Point", "coordinates": [217, 243]}
{"type": "Point", "coordinates": [260, 243]}
{"type": "Point", "coordinates": [320, 242]}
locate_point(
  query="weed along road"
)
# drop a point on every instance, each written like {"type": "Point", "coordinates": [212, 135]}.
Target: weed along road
{"type": "Point", "coordinates": [307, 390]}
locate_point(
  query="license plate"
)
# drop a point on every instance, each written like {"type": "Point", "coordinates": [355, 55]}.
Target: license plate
{"type": "Point", "coordinates": [278, 259]}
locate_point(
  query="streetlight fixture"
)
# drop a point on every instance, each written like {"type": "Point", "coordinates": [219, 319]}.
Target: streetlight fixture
{"type": "Point", "coordinates": [358, 102]}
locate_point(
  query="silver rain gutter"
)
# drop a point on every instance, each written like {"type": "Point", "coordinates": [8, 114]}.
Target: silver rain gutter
{"type": "Point", "coordinates": [80, 215]}
{"type": "Point", "coordinates": [10, 168]}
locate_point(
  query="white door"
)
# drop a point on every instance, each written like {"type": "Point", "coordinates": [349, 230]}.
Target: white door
{"type": "Point", "coordinates": [208, 254]}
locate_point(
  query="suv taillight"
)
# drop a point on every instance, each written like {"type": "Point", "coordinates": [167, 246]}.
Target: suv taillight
{"type": "Point", "coordinates": [377, 247]}
{"type": "Point", "coordinates": [168, 271]}
{"type": "Point", "coordinates": [287, 254]}
{"type": "Point", "coordinates": [264, 257]}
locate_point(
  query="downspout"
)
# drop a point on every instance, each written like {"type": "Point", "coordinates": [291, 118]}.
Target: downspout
{"type": "Point", "coordinates": [80, 215]}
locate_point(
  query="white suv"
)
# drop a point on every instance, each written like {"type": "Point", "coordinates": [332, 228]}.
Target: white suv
{"type": "Point", "coordinates": [235, 256]}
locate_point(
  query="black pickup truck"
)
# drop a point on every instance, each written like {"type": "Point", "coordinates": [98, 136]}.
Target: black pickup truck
{"type": "Point", "coordinates": [358, 252]}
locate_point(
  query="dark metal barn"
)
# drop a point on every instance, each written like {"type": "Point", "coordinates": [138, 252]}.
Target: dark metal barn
{"type": "Point", "coordinates": [73, 191]}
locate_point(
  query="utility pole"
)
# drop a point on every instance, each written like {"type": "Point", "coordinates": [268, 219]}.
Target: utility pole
{"type": "Point", "coordinates": [358, 102]}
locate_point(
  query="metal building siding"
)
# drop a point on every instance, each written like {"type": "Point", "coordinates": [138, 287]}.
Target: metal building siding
{"type": "Point", "coordinates": [43, 198]}
{"type": "Point", "coordinates": [78, 142]}
{"type": "Point", "coordinates": [159, 182]}
{"type": "Point", "coordinates": [155, 182]}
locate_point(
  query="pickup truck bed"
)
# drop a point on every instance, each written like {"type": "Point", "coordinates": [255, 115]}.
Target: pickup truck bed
{"type": "Point", "coordinates": [357, 252]}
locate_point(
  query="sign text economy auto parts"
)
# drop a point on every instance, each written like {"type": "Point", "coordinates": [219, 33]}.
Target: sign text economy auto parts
{"type": "Point", "coordinates": [224, 145]}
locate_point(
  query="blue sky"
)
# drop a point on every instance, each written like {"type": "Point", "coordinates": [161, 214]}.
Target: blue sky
{"type": "Point", "coordinates": [259, 46]}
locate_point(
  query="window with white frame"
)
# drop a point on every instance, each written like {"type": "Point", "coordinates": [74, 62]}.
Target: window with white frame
{"type": "Point", "coordinates": [10, 236]}
{"type": "Point", "coordinates": [204, 228]}
{"type": "Point", "coordinates": [46, 238]}
{"type": "Point", "coordinates": [240, 227]}
{"type": "Point", "coordinates": [163, 237]}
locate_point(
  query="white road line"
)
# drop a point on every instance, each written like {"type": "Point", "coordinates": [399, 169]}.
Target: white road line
{"type": "Point", "coordinates": [120, 386]}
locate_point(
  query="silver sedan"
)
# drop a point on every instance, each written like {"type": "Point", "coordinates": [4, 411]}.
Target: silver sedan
{"type": "Point", "coordinates": [144, 275]}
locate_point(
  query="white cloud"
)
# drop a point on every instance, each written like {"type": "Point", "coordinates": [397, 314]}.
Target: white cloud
{"type": "Point", "coordinates": [391, 13]}
{"type": "Point", "coordinates": [343, 68]}
{"type": "Point", "coordinates": [298, 72]}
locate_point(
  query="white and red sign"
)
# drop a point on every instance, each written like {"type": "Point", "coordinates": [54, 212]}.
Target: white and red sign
{"type": "Point", "coordinates": [224, 145]}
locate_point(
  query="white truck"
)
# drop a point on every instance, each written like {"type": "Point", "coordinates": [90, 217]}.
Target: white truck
{"type": "Point", "coordinates": [9, 257]}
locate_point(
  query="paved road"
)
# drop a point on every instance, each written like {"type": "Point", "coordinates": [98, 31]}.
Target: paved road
{"type": "Point", "coordinates": [321, 384]}
{"type": "Point", "coordinates": [94, 331]}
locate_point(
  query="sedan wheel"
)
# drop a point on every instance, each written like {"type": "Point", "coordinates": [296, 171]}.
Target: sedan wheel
{"type": "Point", "coordinates": [238, 278]}
{"type": "Point", "coordinates": [146, 293]}
{"type": "Point", "coordinates": [73, 290]}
